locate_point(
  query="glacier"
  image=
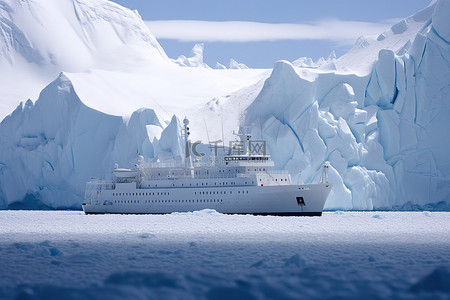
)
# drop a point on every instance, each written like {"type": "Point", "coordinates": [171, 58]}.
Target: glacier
{"type": "Point", "coordinates": [378, 114]}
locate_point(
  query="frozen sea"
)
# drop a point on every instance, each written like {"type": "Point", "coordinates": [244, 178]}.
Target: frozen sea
{"type": "Point", "coordinates": [207, 255]}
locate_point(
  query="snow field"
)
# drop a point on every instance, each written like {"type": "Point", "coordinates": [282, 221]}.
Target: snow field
{"type": "Point", "coordinates": [207, 255]}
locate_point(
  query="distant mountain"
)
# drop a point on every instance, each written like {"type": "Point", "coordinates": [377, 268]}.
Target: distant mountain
{"type": "Point", "coordinates": [40, 39]}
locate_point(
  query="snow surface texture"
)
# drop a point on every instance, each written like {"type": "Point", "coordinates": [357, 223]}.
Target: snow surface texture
{"type": "Point", "coordinates": [207, 255]}
{"type": "Point", "coordinates": [378, 113]}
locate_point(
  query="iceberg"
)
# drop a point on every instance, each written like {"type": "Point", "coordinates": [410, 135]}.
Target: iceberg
{"type": "Point", "coordinates": [378, 114]}
{"type": "Point", "coordinates": [195, 61]}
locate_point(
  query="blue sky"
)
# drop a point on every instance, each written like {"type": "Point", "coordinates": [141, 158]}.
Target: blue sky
{"type": "Point", "coordinates": [268, 30]}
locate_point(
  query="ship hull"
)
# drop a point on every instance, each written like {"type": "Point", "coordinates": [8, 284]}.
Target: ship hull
{"type": "Point", "coordinates": [281, 200]}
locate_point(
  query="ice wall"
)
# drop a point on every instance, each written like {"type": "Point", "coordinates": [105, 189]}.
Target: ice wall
{"type": "Point", "coordinates": [51, 148]}
{"type": "Point", "coordinates": [384, 133]}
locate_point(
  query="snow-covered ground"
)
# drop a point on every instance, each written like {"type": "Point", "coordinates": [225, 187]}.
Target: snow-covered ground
{"type": "Point", "coordinates": [206, 255]}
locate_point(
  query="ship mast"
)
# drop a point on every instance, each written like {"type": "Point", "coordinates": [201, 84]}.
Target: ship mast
{"type": "Point", "coordinates": [187, 152]}
{"type": "Point", "coordinates": [242, 148]}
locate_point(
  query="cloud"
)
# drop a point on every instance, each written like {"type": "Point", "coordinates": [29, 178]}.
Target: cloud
{"type": "Point", "coordinates": [343, 32]}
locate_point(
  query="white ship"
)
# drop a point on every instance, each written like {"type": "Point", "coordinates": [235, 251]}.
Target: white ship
{"type": "Point", "coordinates": [238, 182]}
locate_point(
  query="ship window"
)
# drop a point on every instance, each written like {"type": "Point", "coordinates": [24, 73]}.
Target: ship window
{"type": "Point", "coordinates": [239, 192]}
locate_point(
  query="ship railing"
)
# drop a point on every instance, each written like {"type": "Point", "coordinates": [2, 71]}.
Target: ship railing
{"type": "Point", "coordinates": [99, 185]}
{"type": "Point", "coordinates": [156, 165]}
{"type": "Point", "coordinates": [216, 176]}
{"type": "Point", "coordinates": [277, 172]}
{"type": "Point", "coordinates": [172, 177]}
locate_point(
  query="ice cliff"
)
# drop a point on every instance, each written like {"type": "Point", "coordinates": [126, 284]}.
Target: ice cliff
{"type": "Point", "coordinates": [378, 114]}
{"type": "Point", "coordinates": [383, 133]}
{"type": "Point", "coordinates": [50, 148]}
